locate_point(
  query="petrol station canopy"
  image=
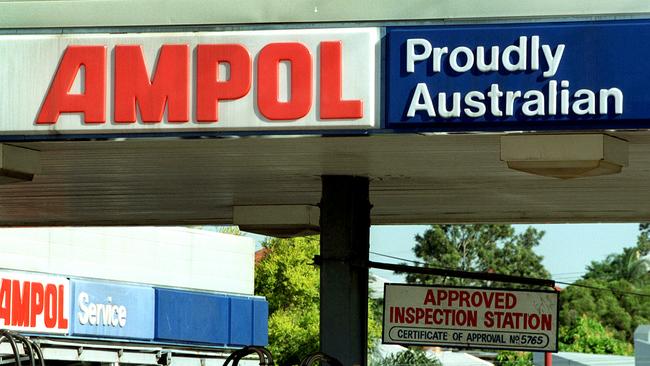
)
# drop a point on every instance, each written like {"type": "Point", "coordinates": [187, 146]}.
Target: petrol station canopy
{"type": "Point", "coordinates": [417, 175]}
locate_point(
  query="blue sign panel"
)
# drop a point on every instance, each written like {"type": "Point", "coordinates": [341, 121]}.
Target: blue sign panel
{"type": "Point", "coordinates": [249, 319]}
{"type": "Point", "coordinates": [241, 321]}
{"type": "Point", "coordinates": [183, 316]}
{"type": "Point", "coordinates": [110, 310]}
{"type": "Point", "coordinates": [213, 319]}
{"type": "Point", "coordinates": [539, 76]}
{"type": "Point", "coordinates": [260, 322]}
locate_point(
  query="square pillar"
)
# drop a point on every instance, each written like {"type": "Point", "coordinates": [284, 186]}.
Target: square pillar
{"type": "Point", "coordinates": [345, 245]}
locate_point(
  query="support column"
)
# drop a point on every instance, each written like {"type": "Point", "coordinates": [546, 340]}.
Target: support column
{"type": "Point", "coordinates": [345, 243]}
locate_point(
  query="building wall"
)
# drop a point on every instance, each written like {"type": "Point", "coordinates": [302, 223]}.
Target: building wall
{"type": "Point", "coordinates": [169, 257]}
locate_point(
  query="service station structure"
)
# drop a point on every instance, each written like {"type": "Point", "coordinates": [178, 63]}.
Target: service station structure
{"type": "Point", "coordinates": [288, 118]}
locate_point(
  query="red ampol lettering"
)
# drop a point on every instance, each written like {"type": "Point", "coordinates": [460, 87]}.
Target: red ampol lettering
{"type": "Point", "coordinates": [169, 84]}
{"type": "Point", "coordinates": [63, 321]}
{"type": "Point", "coordinates": [92, 102]}
{"type": "Point", "coordinates": [332, 106]}
{"type": "Point", "coordinates": [5, 301]}
{"type": "Point", "coordinates": [36, 305]}
{"type": "Point", "coordinates": [50, 306]}
{"type": "Point", "coordinates": [20, 304]}
{"type": "Point", "coordinates": [209, 89]}
{"type": "Point", "coordinates": [300, 89]}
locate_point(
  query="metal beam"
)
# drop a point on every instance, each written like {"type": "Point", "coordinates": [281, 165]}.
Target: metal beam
{"type": "Point", "coordinates": [18, 164]}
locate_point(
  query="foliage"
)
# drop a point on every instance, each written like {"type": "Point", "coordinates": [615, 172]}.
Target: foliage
{"type": "Point", "coordinates": [290, 282]}
{"type": "Point", "coordinates": [375, 314]}
{"type": "Point", "coordinates": [407, 358]}
{"type": "Point", "coordinates": [620, 274]}
{"type": "Point", "coordinates": [631, 265]}
{"type": "Point", "coordinates": [619, 312]}
{"type": "Point", "coordinates": [483, 248]}
{"type": "Point", "coordinates": [286, 275]}
{"type": "Point", "coordinates": [293, 334]}
{"type": "Point", "coordinates": [291, 285]}
{"type": "Point", "coordinates": [232, 230]}
{"type": "Point", "coordinates": [587, 335]}
{"type": "Point", "coordinates": [511, 358]}
{"type": "Point", "coordinates": [228, 229]}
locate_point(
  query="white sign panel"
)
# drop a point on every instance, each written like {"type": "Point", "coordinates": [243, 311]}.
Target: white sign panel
{"type": "Point", "coordinates": [316, 79]}
{"type": "Point", "coordinates": [34, 303]}
{"type": "Point", "coordinates": [470, 317]}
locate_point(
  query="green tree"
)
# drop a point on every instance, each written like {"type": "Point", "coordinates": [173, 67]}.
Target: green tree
{"type": "Point", "coordinates": [407, 358]}
{"type": "Point", "coordinates": [580, 301]}
{"type": "Point", "coordinates": [291, 285]}
{"type": "Point", "coordinates": [483, 248]}
{"type": "Point", "coordinates": [286, 275]}
{"type": "Point", "coordinates": [512, 358]}
{"type": "Point", "coordinates": [290, 282]}
{"type": "Point", "coordinates": [612, 302]}
{"type": "Point", "coordinates": [631, 265]}
{"type": "Point", "coordinates": [610, 296]}
{"type": "Point", "coordinates": [587, 335]}
{"type": "Point", "coordinates": [227, 229]}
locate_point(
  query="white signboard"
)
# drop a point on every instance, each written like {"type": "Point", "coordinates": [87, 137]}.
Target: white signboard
{"type": "Point", "coordinates": [470, 317]}
{"type": "Point", "coordinates": [34, 303]}
{"type": "Point", "coordinates": [303, 79]}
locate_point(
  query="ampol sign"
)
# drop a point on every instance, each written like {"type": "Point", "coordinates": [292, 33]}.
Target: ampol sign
{"type": "Point", "coordinates": [470, 317]}
{"type": "Point", "coordinates": [253, 80]}
{"type": "Point", "coordinates": [34, 303]}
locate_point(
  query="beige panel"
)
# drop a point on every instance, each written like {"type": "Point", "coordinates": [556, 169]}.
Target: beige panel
{"type": "Point", "coordinates": [72, 13]}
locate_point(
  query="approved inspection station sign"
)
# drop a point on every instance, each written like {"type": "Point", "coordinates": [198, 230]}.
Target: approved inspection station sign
{"type": "Point", "coordinates": [471, 317]}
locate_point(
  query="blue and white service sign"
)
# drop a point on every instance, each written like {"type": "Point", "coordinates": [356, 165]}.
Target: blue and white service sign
{"type": "Point", "coordinates": [539, 76]}
{"type": "Point", "coordinates": [110, 310]}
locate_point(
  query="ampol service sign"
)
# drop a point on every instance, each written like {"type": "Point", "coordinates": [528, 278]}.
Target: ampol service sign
{"type": "Point", "coordinates": [470, 317]}
{"type": "Point", "coordinates": [34, 303]}
{"type": "Point", "coordinates": [303, 79]}
{"type": "Point", "coordinates": [112, 310]}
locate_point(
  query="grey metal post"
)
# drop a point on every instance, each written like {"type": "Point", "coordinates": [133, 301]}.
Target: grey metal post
{"type": "Point", "coordinates": [345, 243]}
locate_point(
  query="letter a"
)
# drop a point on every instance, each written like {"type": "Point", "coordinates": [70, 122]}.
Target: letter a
{"type": "Point", "coordinates": [5, 301]}
{"type": "Point", "coordinates": [430, 298]}
{"type": "Point", "coordinates": [92, 102]}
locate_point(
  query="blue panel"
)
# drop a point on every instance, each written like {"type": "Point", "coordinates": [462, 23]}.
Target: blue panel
{"type": "Point", "coordinates": [108, 310]}
{"type": "Point", "coordinates": [241, 321]}
{"type": "Point", "coordinates": [183, 316]}
{"type": "Point", "coordinates": [596, 56]}
{"type": "Point", "coordinates": [260, 322]}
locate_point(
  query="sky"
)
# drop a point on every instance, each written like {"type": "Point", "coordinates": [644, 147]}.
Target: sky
{"type": "Point", "coordinates": [567, 248]}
